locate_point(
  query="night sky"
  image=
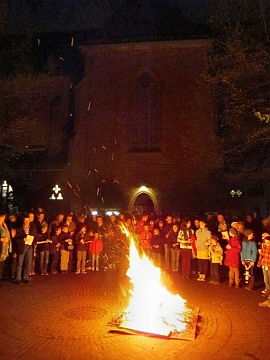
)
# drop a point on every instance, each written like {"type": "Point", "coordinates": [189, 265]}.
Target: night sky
{"type": "Point", "coordinates": [73, 15]}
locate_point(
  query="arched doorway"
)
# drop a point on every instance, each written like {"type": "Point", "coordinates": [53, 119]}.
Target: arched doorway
{"type": "Point", "coordinates": [143, 201]}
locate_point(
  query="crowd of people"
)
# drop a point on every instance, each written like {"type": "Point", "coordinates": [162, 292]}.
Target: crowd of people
{"type": "Point", "coordinates": [211, 249]}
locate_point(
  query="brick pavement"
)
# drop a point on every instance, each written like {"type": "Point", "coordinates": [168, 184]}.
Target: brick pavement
{"type": "Point", "coordinates": [66, 316]}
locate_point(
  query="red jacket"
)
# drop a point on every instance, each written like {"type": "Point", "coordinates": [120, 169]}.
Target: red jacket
{"type": "Point", "coordinates": [96, 246]}
{"type": "Point", "coordinates": [233, 255]}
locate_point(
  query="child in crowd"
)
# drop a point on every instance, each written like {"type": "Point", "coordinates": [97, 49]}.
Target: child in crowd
{"type": "Point", "coordinates": [215, 257]}
{"type": "Point", "coordinates": [249, 256]}
{"type": "Point", "coordinates": [96, 248]}
{"type": "Point", "coordinates": [264, 263]}
{"type": "Point", "coordinates": [157, 247]}
{"type": "Point", "coordinates": [232, 259]}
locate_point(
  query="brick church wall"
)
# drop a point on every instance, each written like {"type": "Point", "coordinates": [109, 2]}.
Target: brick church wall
{"type": "Point", "coordinates": [181, 172]}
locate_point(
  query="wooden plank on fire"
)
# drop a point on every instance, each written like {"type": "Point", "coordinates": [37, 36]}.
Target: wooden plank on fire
{"type": "Point", "coordinates": [191, 325]}
{"type": "Point", "coordinates": [160, 329]}
{"type": "Point", "coordinates": [190, 318]}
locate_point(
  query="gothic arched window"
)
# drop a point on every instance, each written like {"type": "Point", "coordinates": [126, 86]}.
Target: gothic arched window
{"type": "Point", "coordinates": [145, 115]}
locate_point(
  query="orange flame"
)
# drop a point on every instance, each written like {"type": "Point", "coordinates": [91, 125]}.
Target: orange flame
{"type": "Point", "coordinates": [152, 308]}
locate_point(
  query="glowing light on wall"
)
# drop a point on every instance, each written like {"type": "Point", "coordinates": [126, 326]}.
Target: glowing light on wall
{"type": "Point", "coordinates": [56, 193]}
{"type": "Point", "coordinates": [143, 188]}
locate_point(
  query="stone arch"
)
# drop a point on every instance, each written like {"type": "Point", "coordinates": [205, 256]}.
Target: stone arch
{"type": "Point", "coordinates": [143, 200]}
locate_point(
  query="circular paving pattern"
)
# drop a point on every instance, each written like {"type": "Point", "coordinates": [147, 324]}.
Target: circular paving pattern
{"type": "Point", "coordinates": [68, 317]}
{"type": "Point", "coordinates": [85, 313]}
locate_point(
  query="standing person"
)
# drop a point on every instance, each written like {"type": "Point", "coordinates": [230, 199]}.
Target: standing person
{"type": "Point", "coordinates": [174, 248]}
{"type": "Point", "coordinates": [33, 265]}
{"type": "Point", "coordinates": [59, 221]}
{"type": "Point", "coordinates": [142, 222]}
{"type": "Point", "coordinates": [222, 229]}
{"type": "Point", "coordinates": [145, 239]}
{"type": "Point", "coordinates": [196, 224]}
{"type": "Point", "coordinates": [26, 239]}
{"type": "Point", "coordinates": [55, 250]}
{"type": "Point", "coordinates": [81, 248]}
{"type": "Point", "coordinates": [88, 237]}
{"type": "Point", "coordinates": [203, 236]}
{"type": "Point", "coordinates": [96, 248]}
{"type": "Point", "coordinates": [41, 221]}
{"type": "Point", "coordinates": [215, 257]}
{"type": "Point", "coordinates": [249, 256]}
{"type": "Point", "coordinates": [186, 238]}
{"type": "Point", "coordinates": [232, 259]}
{"type": "Point", "coordinates": [66, 246]}
{"type": "Point", "coordinates": [43, 249]}
{"type": "Point", "coordinates": [264, 263]}
{"type": "Point", "coordinates": [5, 247]}
{"type": "Point", "coordinates": [157, 244]}
{"type": "Point", "coordinates": [12, 227]}
{"type": "Point", "coordinates": [102, 230]}
{"type": "Point", "coordinates": [166, 230]}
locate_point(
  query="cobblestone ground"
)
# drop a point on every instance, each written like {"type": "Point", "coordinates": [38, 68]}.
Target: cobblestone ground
{"type": "Point", "coordinates": [66, 316]}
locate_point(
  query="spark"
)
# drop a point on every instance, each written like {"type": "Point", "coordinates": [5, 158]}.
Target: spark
{"type": "Point", "coordinates": [95, 151]}
{"type": "Point", "coordinates": [71, 85]}
{"type": "Point", "coordinates": [115, 143]}
{"type": "Point", "coordinates": [112, 156]}
{"type": "Point", "coordinates": [89, 106]}
{"type": "Point", "coordinates": [102, 199]}
{"type": "Point", "coordinates": [72, 41]}
{"type": "Point", "coordinates": [97, 191]}
{"type": "Point", "coordinates": [38, 41]}
{"type": "Point", "coordinates": [115, 181]}
{"type": "Point", "coordinates": [60, 58]}
{"type": "Point", "coordinates": [77, 186]}
{"type": "Point", "coordinates": [70, 114]}
{"type": "Point", "coordinates": [89, 172]}
{"type": "Point", "coordinates": [76, 193]}
{"type": "Point", "coordinates": [104, 147]}
{"type": "Point", "coordinates": [69, 184]}
{"type": "Point", "coordinates": [96, 170]}
{"type": "Point", "coordinates": [103, 180]}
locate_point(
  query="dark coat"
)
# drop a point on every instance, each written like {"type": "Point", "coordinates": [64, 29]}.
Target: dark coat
{"type": "Point", "coordinates": [157, 240]}
{"type": "Point", "coordinates": [81, 246]}
{"type": "Point", "coordinates": [20, 235]}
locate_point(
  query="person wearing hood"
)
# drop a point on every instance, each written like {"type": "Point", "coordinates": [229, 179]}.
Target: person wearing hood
{"type": "Point", "coordinates": [249, 255]}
